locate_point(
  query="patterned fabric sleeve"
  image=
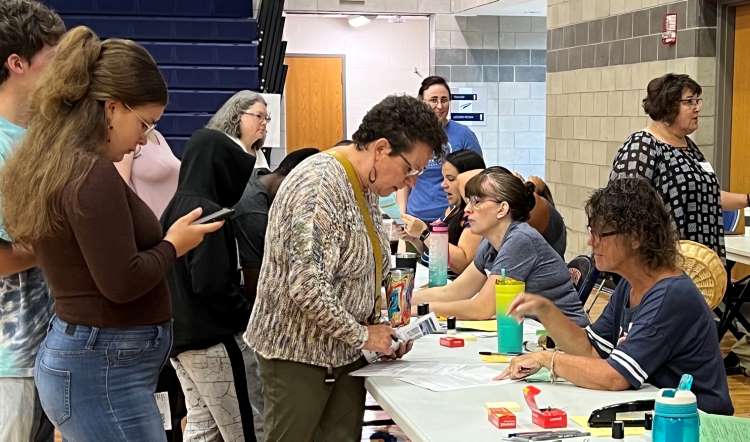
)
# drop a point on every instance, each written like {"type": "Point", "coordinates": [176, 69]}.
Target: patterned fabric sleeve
{"type": "Point", "coordinates": [638, 157]}
{"type": "Point", "coordinates": [314, 247]}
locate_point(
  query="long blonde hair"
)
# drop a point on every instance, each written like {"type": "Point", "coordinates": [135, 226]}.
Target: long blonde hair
{"type": "Point", "coordinates": [68, 128]}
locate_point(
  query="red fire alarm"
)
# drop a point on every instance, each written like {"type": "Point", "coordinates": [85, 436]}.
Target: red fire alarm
{"type": "Point", "coordinates": [669, 29]}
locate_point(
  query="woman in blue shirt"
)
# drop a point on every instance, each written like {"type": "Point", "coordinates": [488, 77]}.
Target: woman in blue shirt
{"type": "Point", "coordinates": [427, 200]}
{"type": "Point", "coordinates": [656, 325]}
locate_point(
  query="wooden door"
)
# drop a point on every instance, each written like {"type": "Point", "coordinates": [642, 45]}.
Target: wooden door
{"type": "Point", "coordinates": [314, 95]}
{"type": "Point", "coordinates": [739, 178]}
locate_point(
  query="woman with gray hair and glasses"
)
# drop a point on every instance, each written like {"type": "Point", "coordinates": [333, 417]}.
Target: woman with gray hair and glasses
{"type": "Point", "coordinates": [216, 369]}
{"type": "Point", "coordinates": [244, 118]}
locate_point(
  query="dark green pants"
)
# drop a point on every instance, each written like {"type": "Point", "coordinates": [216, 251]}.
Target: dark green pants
{"type": "Point", "coordinates": [300, 406]}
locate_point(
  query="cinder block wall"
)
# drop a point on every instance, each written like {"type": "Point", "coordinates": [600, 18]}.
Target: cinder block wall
{"type": "Point", "coordinates": [602, 54]}
{"type": "Point", "coordinates": [506, 56]}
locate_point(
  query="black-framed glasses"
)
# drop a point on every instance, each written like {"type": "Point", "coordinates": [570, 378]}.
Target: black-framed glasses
{"type": "Point", "coordinates": [412, 171]}
{"type": "Point", "coordinates": [261, 117]}
{"type": "Point", "coordinates": [148, 128]}
{"type": "Point", "coordinates": [692, 102]}
{"type": "Point", "coordinates": [601, 235]}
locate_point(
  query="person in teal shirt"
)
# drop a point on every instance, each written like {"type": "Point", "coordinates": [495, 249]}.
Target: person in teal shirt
{"type": "Point", "coordinates": [427, 200]}
{"type": "Point", "coordinates": [29, 32]}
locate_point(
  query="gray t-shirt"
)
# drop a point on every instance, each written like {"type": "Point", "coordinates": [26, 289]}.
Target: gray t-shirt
{"type": "Point", "coordinates": [526, 256]}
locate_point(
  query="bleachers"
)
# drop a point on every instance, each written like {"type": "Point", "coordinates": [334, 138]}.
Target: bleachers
{"type": "Point", "coordinates": [237, 30]}
{"type": "Point", "coordinates": [169, 8]}
{"type": "Point", "coordinates": [206, 49]}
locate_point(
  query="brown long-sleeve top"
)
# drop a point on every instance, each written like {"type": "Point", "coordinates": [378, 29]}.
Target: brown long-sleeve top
{"type": "Point", "coordinates": [106, 266]}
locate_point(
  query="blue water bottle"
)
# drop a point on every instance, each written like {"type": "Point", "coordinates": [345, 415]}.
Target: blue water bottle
{"type": "Point", "coordinates": [676, 414]}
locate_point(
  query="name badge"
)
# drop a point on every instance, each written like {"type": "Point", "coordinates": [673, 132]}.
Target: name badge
{"type": "Point", "coordinates": [707, 167]}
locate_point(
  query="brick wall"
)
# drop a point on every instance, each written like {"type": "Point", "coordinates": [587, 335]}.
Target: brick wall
{"type": "Point", "coordinates": [602, 55]}
{"type": "Point", "coordinates": [506, 56]}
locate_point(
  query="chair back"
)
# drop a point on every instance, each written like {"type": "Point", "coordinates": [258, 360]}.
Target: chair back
{"type": "Point", "coordinates": [734, 222]}
{"type": "Point", "coordinates": [706, 270]}
{"type": "Point", "coordinates": [583, 274]}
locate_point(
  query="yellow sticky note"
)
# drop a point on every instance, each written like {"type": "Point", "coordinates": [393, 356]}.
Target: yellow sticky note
{"type": "Point", "coordinates": [583, 421]}
{"type": "Point", "coordinates": [511, 406]}
{"type": "Point", "coordinates": [466, 337]}
{"type": "Point", "coordinates": [496, 359]}
{"type": "Point", "coordinates": [486, 326]}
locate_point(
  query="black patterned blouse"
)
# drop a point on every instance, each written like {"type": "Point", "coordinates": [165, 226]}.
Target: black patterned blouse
{"type": "Point", "coordinates": [690, 191]}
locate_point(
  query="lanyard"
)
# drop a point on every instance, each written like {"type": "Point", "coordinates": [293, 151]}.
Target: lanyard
{"type": "Point", "coordinates": [371, 233]}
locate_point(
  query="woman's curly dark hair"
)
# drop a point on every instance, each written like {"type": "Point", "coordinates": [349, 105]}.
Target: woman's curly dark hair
{"type": "Point", "coordinates": [631, 206]}
{"type": "Point", "coordinates": [663, 95]}
{"type": "Point", "coordinates": [403, 121]}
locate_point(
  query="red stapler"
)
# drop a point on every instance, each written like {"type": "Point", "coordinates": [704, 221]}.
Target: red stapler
{"type": "Point", "coordinates": [545, 418]}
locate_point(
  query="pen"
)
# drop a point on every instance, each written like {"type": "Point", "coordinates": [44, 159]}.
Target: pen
{"type": "Point", "coordinates": [489, 353]}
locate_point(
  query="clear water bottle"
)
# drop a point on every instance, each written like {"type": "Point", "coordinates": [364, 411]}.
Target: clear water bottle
{"type": "Point", "coordinates": [438, 254]}
{"type": "Point", "coordinates": [676, 414]}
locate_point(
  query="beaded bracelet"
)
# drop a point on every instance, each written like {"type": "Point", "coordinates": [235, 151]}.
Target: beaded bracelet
{"type": "Point", "coordinates": [553, 377]}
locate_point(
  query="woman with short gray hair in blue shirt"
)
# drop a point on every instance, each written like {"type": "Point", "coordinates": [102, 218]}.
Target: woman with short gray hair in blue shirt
{"type": "Point", "coordinates": [498, 206]}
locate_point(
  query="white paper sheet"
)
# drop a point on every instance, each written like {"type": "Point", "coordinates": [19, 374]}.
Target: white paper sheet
{"type": "Point", "coordinates": [477, 376]}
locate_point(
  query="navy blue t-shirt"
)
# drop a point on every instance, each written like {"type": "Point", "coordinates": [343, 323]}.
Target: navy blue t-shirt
{"type": "Point", "coordinates": [427, 200]}
{"type": "Point", "coordinates": [671, 332]}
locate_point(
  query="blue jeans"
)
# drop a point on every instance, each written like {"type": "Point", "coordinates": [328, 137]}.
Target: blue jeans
{"type": "Point", "coordinates": [98, 384]}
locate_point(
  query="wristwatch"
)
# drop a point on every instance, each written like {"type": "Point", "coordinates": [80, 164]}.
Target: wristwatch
{"type": "Point", "coordinates": [424, 235]}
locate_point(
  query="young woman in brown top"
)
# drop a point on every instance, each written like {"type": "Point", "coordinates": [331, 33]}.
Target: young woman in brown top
{"type": "Point", "coordinates": [100, 247]}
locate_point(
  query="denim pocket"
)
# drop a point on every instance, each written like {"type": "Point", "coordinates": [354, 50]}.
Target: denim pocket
{"type": "Point", "coordinates": [127, 352]}
{"type": "Point", "coordinates": [54, 392]}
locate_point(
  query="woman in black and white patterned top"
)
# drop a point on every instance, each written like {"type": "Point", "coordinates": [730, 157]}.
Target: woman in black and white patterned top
{"type": "Point", "coordinates": [665, 155]}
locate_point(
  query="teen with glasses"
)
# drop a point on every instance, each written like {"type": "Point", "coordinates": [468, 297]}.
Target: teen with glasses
{"type": "Point", "coordinates": [426, 199]}
{"type": "Point", "coordinates": [101, 248]}
{"type": "Point", "coordinates": [656, 325]}
{"type": "Point", "coordinates": [498, 205]}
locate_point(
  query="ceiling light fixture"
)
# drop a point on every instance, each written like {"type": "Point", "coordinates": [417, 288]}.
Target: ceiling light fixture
{"type": "Point", "coordinates": [359, 21]}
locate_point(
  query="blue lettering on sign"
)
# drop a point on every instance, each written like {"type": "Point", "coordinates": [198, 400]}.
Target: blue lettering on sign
{"type": "Point", "coordinates": [467, 117]}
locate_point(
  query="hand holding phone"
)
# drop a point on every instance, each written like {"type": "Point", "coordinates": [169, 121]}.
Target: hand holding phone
{"type": "Point", "coordinates": [219, 215]}
{"type": "Point", "coordinates": [188, 231]}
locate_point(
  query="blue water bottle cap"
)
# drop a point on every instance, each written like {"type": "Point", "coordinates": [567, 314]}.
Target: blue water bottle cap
{"type": "Point", "coordinates": [686, 381]}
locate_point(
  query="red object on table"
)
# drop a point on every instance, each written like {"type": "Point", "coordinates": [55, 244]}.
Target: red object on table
{"type": "Point", "coordinates": [547, 417]}
{"type": "Point", "coordinates": [501, 418]}
{"type": "Point", "coordinates": [451, 342]}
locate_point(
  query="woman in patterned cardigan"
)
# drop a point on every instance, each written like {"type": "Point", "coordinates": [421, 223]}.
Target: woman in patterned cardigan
{"type": "Point", "coordinates": [316, 307]}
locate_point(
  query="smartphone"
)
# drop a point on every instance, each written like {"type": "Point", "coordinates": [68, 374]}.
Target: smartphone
{"type": "Point", "coordinates": [219, 215]}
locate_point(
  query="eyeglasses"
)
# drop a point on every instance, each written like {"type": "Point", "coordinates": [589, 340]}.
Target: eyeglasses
{"type": "Point", "coordinates": [434, 101]}
{"type": "Point", "coordinates": [261, 117]}
{"type": "Point", "coordinates": [476, 201]}
{"type": "Point", "coordinates": [601, 235]}
{"type": "Point", "coordinates": [692, 102]}
{"type": "Point", "coordinates": [148, 131]}
{"type": "Point", "coordinates": [412, 171]}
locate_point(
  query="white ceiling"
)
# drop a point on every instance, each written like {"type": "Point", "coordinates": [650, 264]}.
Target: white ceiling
{"type": "Point", "coordinates": [510, 7]}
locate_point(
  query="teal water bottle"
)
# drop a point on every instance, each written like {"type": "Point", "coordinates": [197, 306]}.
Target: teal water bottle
{"type": "Point", "coordinates": [676, 414]}
{"type": "Point", "coordinates": [438, 254]}
{"type": "Point", "coordinates": [509, 331]}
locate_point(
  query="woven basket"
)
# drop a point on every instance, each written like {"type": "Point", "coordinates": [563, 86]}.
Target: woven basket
{"type": "Point", "coordinates": [706, 270]}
